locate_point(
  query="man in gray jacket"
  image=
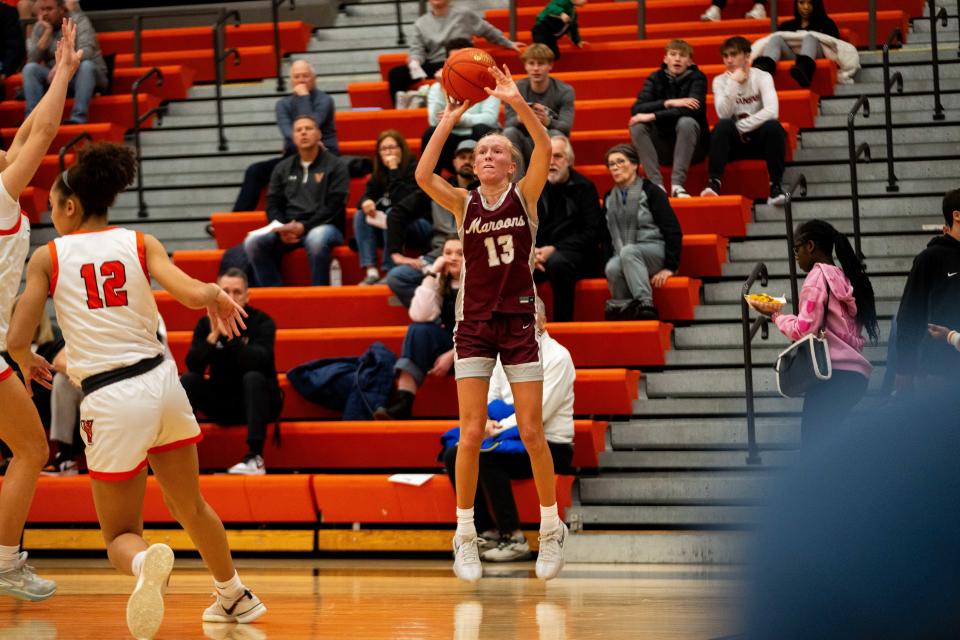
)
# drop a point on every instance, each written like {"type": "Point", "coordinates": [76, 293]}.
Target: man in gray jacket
{"type": "Point", "coordinates": [41, 50]}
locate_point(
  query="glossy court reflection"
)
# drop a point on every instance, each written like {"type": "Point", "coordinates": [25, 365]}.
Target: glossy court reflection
{"type": "Point", "coordinates": [396, 600]}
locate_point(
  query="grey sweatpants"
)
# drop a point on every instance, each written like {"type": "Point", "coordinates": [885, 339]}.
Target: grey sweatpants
{"type": "Point", "coordinates": [628, 274]}
{"type": "Point", "coordinates": [777, 49]}
{"type": "Point", "coordinates": [656, 146]}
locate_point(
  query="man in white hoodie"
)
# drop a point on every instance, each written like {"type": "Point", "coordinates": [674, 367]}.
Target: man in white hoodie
{"type": "Point", "coordinates": [746, 101]}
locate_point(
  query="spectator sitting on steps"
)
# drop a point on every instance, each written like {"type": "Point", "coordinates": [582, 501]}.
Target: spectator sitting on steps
{"type": "Point", "coordinates": [808, 15]}
{"type": "Point", "coordinates": [712, 14]}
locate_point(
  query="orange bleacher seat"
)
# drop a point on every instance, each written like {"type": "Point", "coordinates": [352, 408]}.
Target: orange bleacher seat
{"type": "Point", "coordinates": [704, 254]}
{"type": "Point", "coordinates": [112, 108]}
{"type": "Point", "coordinates": [48, 170]}
{"type": "Point", "coordinates": [100, 131]}
{"type": "Point", "coordinates": [270, 499]}
{"type": "Point", "coordinates": [591, 344]}
{"type": "Point", "coordinates": [614, 83]}
{"type": "Point", "coordinates": [747, 178]}
{"type": "Point", "coordinates": [203, 264]}
{"type": "Point", "coordinates": [256, 63]}
{"type": "Point", "coordinates": [374, 499]}
{"type": "Point", "coordinates": [34, 201]}
{"type": "Point", "coordinates": [177, 79]}
{"type": "Point", "coordinates": [294, 36]}
{"type": "Point", "coordinates": [596, 392]}
{"type": "Point", "coordinates": [676, 300]}
{"type": "Point", "coordinates": [346, 445]}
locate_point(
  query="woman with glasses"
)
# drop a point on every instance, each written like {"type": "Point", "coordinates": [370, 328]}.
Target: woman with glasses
{"type": "Point", "coordinates": [392, 181]}
{"type": "Point", "coordinates": [645, 237]}
{"type": "Point", "coordinates": [838, 299]}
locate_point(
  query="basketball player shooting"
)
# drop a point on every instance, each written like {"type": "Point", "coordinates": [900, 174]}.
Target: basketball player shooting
{"type": "Point", "coordinates": [495, 312]}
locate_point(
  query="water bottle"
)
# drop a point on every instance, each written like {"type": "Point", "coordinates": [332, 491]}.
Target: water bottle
{"type": "Point", "coordinates": [336, 274]}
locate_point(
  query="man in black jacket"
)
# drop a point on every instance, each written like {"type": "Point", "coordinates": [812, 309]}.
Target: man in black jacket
{"type": "Point", "coordinates": [306, 200]}
{"type": "Point", "coordinates": [11, 39]}
{"type": "Point", "coordinates": [570, 225]}
{"type": "Point", "coordinates": [931, 296]}
{"type": "Point", "coordinates": [242, 385]}
{"type": "Point", "coordinates": [669, 118]}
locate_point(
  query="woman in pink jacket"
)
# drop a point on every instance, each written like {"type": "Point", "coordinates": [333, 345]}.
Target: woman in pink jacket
{"type": "Point", "coordinates": [845, 295]}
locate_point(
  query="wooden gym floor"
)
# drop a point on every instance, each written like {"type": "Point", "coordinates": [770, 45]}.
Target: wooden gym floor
{"type": "Point", "coordinates": [396, 599]}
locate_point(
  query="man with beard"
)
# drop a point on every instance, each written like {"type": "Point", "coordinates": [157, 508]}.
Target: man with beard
{"type": "Point", "coordinates": [404, 278]}
{"type": "Point", "coordinates": [569, 232]}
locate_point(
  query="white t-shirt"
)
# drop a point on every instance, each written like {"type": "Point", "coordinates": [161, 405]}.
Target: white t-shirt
{"type": "Point", "coordinates": [750, 104]}
{"type": "Point", "coordinates": [14, 246]}
{"type": "Point", "coordinates": [105, 306]}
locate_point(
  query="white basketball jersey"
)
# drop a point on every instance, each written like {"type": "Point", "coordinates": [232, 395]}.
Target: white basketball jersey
{"type": "Point", "coordinates": [105, 307]}
{"type": "Point", "coordinates": [14, 246]}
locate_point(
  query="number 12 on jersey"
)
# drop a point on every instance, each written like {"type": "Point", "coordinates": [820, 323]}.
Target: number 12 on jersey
{"type": "Point", "coordinates": [115, 277]}
{"type": "Point", "coordinates": [506, 256]}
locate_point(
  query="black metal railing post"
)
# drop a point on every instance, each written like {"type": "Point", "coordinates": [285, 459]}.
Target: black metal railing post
{"type": "Point", "coordinates": [401, 37]}
{"type": "Point", "coordinates": [137, 33]}
{"type": "Point", "coordinates": [277, 54]}
{"type": "Point", "coordinates": [749, 331]}
{"type": "Point", "coordinates": [138, 121]}
{"type": "Point", "coordinates": [513, 20]}
{"type": "Point", "coordinates": [220, 54]}
{"type": "Point", "coordinates": [641, 19]}
{"type": "Point", "coordinates": [854, 152]}
{"type": "Point", "coordinates": [872, 25]}
{"type": "Point", "coordinates": [774, 18]}
{"type": "Point", "coordinates": [801, 186]}
{"type": "Point", "coordinates": [934, 16]}
{"type": "Point", "coordinates": [895, 38]}
{"type": "Point", "coordinates": [83, 135]}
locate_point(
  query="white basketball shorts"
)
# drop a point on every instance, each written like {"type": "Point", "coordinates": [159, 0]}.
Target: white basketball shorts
{"type": "Point", "coordinates": [123, 422]}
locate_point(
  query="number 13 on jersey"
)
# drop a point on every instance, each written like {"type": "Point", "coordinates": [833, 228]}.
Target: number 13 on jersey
{"type": "Point", "coordinates": [505, 256]}
{"type": "Point", "coordinates": [115, 277]}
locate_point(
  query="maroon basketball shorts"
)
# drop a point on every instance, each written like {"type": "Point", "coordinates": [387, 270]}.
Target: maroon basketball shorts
{"type": "Point", "coordinates": [512, 336]}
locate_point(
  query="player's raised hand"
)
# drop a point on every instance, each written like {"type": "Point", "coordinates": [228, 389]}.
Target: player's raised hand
{"type": "Point", "coordinates": [226, 316]}
{"type": "Point", "coordinates": [454, 110]}
{"type": "Point", "coordinates": [67, 57]}
{"type": "Point", "coordinates": [506, 89]}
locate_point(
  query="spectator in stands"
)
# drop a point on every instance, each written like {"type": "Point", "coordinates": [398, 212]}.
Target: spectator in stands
{"type": "Point", "coordinates": [644, 234]}
{"type": "Point", "coordinates": [502, 540]}
{"type": "Point", "coordinates": [41, 47]}
{"type": "Point", "coordinates": [570, 225]}
{"type": "Point", "coordinates": [712, 14]}
{"type": "Point", "coordinates": [392, 183]}
{"type": "Point", "coordinates": [305, 100]}
{"type": "Point", "coordinates": [404, 278]}
{"type": "Point", "coordinates": [477, 121]}
{"type": "Point", "coordinates": [669, 121]}
{"type": "Point", "coordinates": [242, 383]}
{"type": "Point", "coordinates": [931, 297]}
{"type": "Point", "coordinates": [840, 301]}
{"type": "Point", "coordinates": [11, 39]}
{"type": "Point", "coordinates": [431, 32]}
{"type": "Point", "coordinates": [306, 198]}
{"type": "Point", "coordinates": [551, 99]}
{"type": "Point", "coordinates": [557, 19]}
{"type": "Point", "coordinates": [746, 101]}
{"type": "Point", "coordinates": [808, 16]}
{"type": "Point", "coordinates": [428, 346]}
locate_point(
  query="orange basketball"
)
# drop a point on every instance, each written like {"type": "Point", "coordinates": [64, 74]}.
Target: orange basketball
{"type": "Point", "coordinates": [466, 73]}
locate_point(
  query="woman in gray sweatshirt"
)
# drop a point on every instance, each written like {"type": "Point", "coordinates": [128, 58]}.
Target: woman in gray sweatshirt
{"type": "Point", "coordinates": [644, 234]}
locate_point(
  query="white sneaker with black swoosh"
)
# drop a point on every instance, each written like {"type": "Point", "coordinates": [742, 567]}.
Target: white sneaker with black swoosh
{"type": "Point", "coordinates": [244, 609]}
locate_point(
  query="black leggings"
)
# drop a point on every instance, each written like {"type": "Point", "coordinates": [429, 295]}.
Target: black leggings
{"type": "Point", "coordinates": [829, 403]}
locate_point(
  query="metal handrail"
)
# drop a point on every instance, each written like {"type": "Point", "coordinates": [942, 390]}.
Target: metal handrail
{"type": "Point", "coordinates": [934, 16]}
{"type": "Point", "coordinates": [83, 135]}
{"type": "Point", "coordinates": [278, 56]}
{"type": "Point", "coordinates": [854, 153]}
{"type": "Point", "coordinates": [401, 38]}
{"type": "Point", "coordinates": [749, 331]}
{"type": "Point", "coordinates": [872, 25]}
{"type": "Point", "coordinates": [801, 186]}
{"type": "Point", "coordinates": [219, 57]}
{"type": "Point", "coordinates": [774, 18]}
{"type": "Point", "coordinates": [138, 120]}
{"type": "Point", "coordinates": [513, 20]}
{"type": "Point", "coordinates": [140, 17]}
{"type": "Point", "coordinates": [895, 38]}
{"type": "Point", "coordinates": [641, 19]}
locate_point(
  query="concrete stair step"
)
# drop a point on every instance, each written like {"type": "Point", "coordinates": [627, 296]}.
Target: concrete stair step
{"type": "Point", "coordinates": [731, 312]}
{"type": "Point", "coordinates": [153, 142]}
{"type": "Point", "coordinates": [702, 434]}
{"type": "Point", "coordinates": [841, 105]}
{"type": "Point", "coordinates": [763, 355]}
{"type": "Point", "coordinates": [711, 407]}
{"type": "Point", "coordinates": [919, 70]}
{"type": "Point", "coordinates": [839, 151]}
{"type": "Point", "coordinates": [918, 133]}
{"type": "Point", "coordinates": [210, 197]}
{"type": "Point", "coordinates": [876, 170]}
{"type": "Point", "coordinates": [879, 246]}
{"type": "Point", "coordinates": [926, 224]}
{"type": "Point", "coordinates": [920, 115]}
{"type": "Point", "coordinates": [673, 547]}
{"type": "Point", "coordinates": [781, 268]}
{"type": "Point", "coordinates": [612, 461]}
{"type": "Point", "coordinates": [889, 287]}
{"type": "Point", "coordinates": [369, 36]}
{"type": "Point", "coordinates": [358, 61]}
{"type": "Point", "coordinates": [590, 516]}
{"type": "Point", "coordinates": [894, 205]}
{"type": "Point", "coordinates": [921, 52]}
{"type": "Point", "coordinates": [698, 383]}
{"type": "Point", "coordinates": [876, 187]}
{"type": "Point", "coordinates": [225, 167]}
{"type": "Point", "coordinates": [675, 488]}
{"type": "Point", "coordinates": [721, 336]}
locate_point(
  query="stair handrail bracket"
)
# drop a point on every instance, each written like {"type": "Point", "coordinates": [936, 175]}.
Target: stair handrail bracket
{"type": "Point", "coordinates": [894, 39]}
{"type": "Point", "coordinates": [220, 55]}
{"type": "Point", "coordinates": [750, 329]}
{"type": "Point", "coordinates": [854, 152]}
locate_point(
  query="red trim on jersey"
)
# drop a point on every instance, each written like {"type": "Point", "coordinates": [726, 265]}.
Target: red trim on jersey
{"type": "Point", "coordinates": [142, 254]}
{"type": "Point", "coordinates": [54, 266]}
{"type": "Point", "coordinates": [117, 476]}
{"type": "Point", "coordinates": [170, 446]}
{"type": "Point", "coordinates": [6, 373]}
{"type": "Point", "coordinates": [16, 227]}
{"type": "Point", "coordinates": [82, 231]}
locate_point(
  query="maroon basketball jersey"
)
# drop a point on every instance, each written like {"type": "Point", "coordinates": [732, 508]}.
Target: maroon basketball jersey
{"type": "Point", "coordinates": [498, 259]}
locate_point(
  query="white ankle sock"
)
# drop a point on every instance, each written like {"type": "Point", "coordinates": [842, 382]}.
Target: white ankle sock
{"type": "Point", "coordinates": [465, 526]}
{"type": "Point", "coordinates": [9, 557]}
{"type": "Point", "coordinates": [549, 520]}
{"type": "Point", "coordinates": [137, 565]}
{"type": "Point", "coordinates": [231, 589]}
{"type": "Point", "coordinates": [372, 272]}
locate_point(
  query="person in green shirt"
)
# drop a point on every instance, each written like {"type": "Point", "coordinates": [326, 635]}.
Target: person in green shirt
{"type": "Point", "coordinates": [558, 18]}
